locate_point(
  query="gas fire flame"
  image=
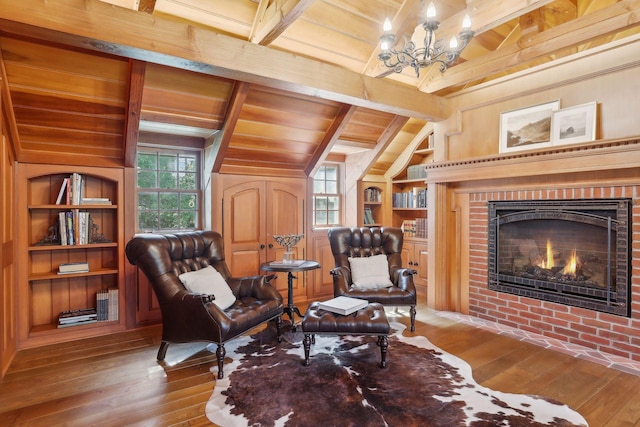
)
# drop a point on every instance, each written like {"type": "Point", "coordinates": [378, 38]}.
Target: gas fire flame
{"type": "Point", "coordinates": [570, 267]}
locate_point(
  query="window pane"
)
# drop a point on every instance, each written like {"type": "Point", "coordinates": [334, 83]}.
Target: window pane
{"type": "Point", "coordinates": [167, 162]}
{"type": "Point", "coordinates": [147, 161]}
{"type": "Point", "coordinates": [332, 187]}
{"type": "Point", "coordinates": [318, 187]}
{"type": "Point", "coordinates": [168, 180]}
{"type": "Point", "coordinates": [334, 217]}
{"type": "Point", "coordinates": [187, 163]}
{"type": "Point", "coordinates": [168, 201]}
{"type": "Point", "coordinates": [146, 179]}
{"type": "Point", "coordinates": [321, 218]}
{"type": "Point", "coordinates": [331, 173]}
{"type": "Point", "coordinates": [147, 201]}
{"type": "Point", "coordinates": [187, 219]}
{"type": "Point", "coordinates": [187, 181]}
{"type": "Point", "coordinates": [320, 203]}
{"type": "Point", "coordinates": [148, 220]}
{"type": "Point", "coordinates": [334, 203]}
{"type": "Point", "coordinates": [169, 220]}
{"type": "Point", "coordinates": [188, 201]}
{"type": "Point", "coordinates": [320, 174]}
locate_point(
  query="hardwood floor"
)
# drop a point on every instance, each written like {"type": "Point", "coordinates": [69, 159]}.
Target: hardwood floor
{"type": "Point", "coordinates": [116, 380]}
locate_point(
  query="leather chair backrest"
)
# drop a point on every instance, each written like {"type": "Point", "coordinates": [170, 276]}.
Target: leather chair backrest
{"type": "Point", "coordinates": [366, 241]}
{"type": "Point", "coordinates": [164, 257]}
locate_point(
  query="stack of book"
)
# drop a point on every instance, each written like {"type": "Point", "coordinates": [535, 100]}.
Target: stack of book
{"type": "Point", "coordinates": [73, 267]}
{"type": "Point", "coordinates": [107, 305]}
{"type": "Point", "coordinates": [83, 316]}
{"type": "Point", "coordinates": [72, 193]}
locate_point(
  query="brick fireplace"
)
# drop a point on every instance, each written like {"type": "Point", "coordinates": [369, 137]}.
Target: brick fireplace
{"type": "Point", "coordinates": [600, 172]}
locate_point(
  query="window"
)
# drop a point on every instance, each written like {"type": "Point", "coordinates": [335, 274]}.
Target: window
{"type": "Point", "coordinates": [168, 190]}
{"type": "Point", "coordinates": [326, 196]}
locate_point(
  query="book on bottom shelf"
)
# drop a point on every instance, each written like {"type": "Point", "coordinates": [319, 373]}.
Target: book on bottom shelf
{"type": "Point", "coordinates": [343, 305]}
{"type": "Point", "coordinates": [107, 304]}
{"type": "Point", "coordinates": [77, 317]}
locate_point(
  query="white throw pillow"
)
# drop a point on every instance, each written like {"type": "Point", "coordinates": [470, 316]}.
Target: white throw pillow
{"type": "Point", "coordinates": [370, 272]}
{"type": "Point", "coordinates": [209, 281]}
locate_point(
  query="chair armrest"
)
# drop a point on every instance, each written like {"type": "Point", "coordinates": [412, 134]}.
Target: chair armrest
{"type": "Point", "coordinates": [403, 278]}
{"type": "Point", "coordinates": [341, 280]}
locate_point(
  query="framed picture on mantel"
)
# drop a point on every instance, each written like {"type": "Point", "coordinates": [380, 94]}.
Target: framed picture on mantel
{"type": "Point", "coordinates": [527, 128]}
{"type": "Point", "coordinates": [574, 124]}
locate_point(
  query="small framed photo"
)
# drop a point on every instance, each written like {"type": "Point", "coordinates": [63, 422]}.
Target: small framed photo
{"type": "Point", "coordinates": [574, 124]}
{"type": "Point", "coordinates": [527, 128]}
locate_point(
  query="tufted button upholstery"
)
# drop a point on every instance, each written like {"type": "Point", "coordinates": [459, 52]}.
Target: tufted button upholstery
{"type": "Point", "coordinates": [368, 241]}
{"type": "Point", "coordinates": [370, 320]}
{"type": "Point", "coordinates": [193, 317]}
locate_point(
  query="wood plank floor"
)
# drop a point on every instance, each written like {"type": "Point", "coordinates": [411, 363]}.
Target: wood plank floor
{"type": "Point", "coordinates": [116, 380]}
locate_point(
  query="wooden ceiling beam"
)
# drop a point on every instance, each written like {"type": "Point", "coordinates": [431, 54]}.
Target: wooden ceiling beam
{"type": "Point", "coordinates": [137, 71]}
{"type": "Point", "coordinates": [612, 19]}
{"type": "Point", "coordinates": [332, 135]}
{"type": "Point", "coordinates": [222, 139]}
{"type": "Point", "coordinates": [94, 25]}
{"type": "Point", "coordinates": [277, 18]}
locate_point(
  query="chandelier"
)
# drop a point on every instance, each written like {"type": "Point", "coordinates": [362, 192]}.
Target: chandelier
{"type": "Point", "coordinates": [433, 51]}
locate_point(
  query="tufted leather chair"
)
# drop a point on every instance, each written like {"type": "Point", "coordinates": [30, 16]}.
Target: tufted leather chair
{"type": "Point", "coordinates": [367, 241]}
{"type": "Point", "coordinates": [194, 317]}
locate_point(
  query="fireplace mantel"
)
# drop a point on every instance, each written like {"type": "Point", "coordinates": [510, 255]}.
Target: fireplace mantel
{"type": "Point", "coordinates": [594, 156]}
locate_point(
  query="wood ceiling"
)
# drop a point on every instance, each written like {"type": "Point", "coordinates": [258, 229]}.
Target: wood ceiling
{"type": "Point", "coordinates": [268, 86]}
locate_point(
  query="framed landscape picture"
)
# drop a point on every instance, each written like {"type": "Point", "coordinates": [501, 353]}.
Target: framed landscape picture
{"type": "Point", "coordinates": [527, 128]}
{"type": "Point", "coordinates": [574, 124]}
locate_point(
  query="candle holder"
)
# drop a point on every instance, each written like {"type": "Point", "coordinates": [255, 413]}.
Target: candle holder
{"type": "Point", "coordinates": [288, 241]}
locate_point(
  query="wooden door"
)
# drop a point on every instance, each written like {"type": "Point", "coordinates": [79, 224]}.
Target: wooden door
{"type": "Point", "coordinates": [244, 227]}
{"type": "Point", "coordinates": [285, 215]}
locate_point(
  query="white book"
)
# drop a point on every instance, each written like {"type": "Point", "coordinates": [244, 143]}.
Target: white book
{"type": "Point", "coordinates": [343, 305]}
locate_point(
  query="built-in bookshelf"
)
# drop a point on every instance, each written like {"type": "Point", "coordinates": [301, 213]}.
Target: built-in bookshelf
{"type": "Point", "coordinates": [372, 212]}
{"type": "Point", "coordinates": [409, 192]}
{"type": "Point", "coordinates": [72, 247]}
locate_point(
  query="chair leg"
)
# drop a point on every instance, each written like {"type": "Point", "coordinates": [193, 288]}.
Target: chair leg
{"type": "Point", "coordinates": [220, 354]}
{"type": "Point", "coordinates": [162, 351]}
{"type": "Point", "coordinates": [412, 310]}
{"type": "Point", "coordinates": [279, 328]}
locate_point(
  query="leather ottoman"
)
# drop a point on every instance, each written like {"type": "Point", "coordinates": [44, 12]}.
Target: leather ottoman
{"type": "Point", "coordinates": [370, 320]}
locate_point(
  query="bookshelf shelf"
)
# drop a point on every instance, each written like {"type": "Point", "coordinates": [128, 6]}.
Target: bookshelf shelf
{"type": "Point", "coordinates": [372, 206]}
{"type": "Point", "coordinates": [45, 293]}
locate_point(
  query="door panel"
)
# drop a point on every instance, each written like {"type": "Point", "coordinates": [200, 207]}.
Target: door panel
{"type": "Point", "coordinates": [285, 216]}
{"type": "Point", "coordinates": [244, 231]}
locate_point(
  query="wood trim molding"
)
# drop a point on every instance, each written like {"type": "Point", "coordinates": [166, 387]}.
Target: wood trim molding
{"type": "Point", "coordinates": [594, 156]}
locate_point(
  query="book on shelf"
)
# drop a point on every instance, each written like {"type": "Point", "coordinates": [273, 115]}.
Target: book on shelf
{"type": "Point", "coordinates": [61, 193]}
{"type": "Point", "coordinates": [107, 304]}
{"type": "Point", "coordinates": [73, 267]}
{"type": "Point", "coordinates": [372, 195]}
{"type": "Point", "coordinates": [368, 216]}
{"type": "Point", "coordinates": [415, 227]}
{"type": "Point", "coordinates": [343, 305]}
{"type": "Point", "coordinates": [81, 316]}
{"type": "Point", "coordinates": [96, 201]}
{"type": "Point", "coordinates": [74, 227]}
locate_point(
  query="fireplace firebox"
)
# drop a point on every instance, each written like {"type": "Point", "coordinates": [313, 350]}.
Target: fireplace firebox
{"type": "Point", "coordinates": [572, 252]}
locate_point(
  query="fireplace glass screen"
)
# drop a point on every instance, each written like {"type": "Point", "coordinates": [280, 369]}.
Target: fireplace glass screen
{"type": "Point", "coordinates": [573, 252]}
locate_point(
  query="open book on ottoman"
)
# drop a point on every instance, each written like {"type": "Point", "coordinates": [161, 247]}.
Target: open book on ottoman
{"type": "Point", "coordinates": [343, 305]}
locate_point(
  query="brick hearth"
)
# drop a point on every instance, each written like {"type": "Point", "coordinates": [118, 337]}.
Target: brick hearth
{"type": "Point", "coordinates": [603, 332]}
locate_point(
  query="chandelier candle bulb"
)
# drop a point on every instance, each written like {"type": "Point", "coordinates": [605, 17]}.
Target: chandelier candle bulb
{"type": "Point", "coordinates": [433, 50]}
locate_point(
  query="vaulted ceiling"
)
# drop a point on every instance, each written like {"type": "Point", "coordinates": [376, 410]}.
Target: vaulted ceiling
{"type": "Point", "coordinates": [268, 86]}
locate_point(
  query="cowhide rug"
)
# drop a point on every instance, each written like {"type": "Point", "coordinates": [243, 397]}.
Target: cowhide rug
{"type": "Point", "coordinates": [266, 384]}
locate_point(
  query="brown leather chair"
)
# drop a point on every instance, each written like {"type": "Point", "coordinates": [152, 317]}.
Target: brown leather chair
{"type": "Point", "coordinates": [369, 241]}
{"type": "Point", "coordinates": [189, 316]}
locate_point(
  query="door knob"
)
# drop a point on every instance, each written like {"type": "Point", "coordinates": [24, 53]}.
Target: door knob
{"type": "Point", "coordinates": [270, 245]}
{"type": "Point", "coordinates": [262, 246]}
